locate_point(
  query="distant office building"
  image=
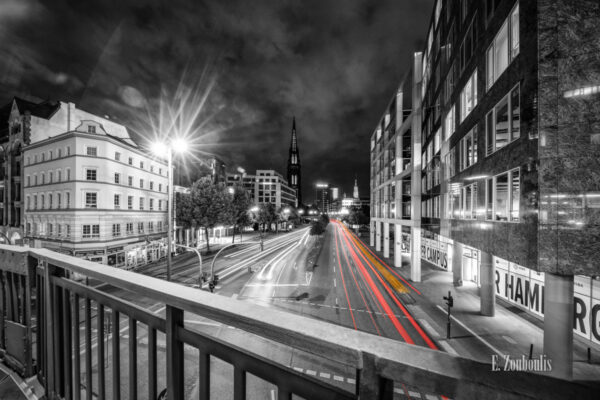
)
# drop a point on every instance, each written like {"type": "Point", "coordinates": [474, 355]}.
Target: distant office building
{"type": "Point", "coordinates": [501, 185]}
{"type": "Point", "coordinates": [266, 186]}
{"type": "Point", "coordinates": [322, 197]}
{"type": "Point", "coordinates": [88, 190]}
{"type": "Point", "coordinates": [294, 171]}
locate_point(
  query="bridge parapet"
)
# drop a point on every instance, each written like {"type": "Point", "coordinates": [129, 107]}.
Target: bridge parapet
{"type": "Point", "coordinates": [75, 356]}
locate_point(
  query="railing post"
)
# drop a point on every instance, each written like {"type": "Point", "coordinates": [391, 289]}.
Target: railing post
{"type": "Point", "coordinates": [174, 353]}
{"type": "Point", "coordinates": [2, 311]}
{"type": "Point", "coordinates": [369, 384]}
{"type": "Point", "coordinates": [49, 330]}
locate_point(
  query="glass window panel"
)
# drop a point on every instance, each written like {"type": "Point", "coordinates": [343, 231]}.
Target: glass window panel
{"type": "Point", "coordinates": [515, 195]}
{"type": "Point", "coordinates": [514, 39]}
{"type": "Point", "coordinates": [489, 67]}
{"type": "Point", "coordinates": [501, 51]}
{"type": "Point", "coordinates": [501, 198]}
{"type": "Point", "coordinates": [515, 113]}
{"type": "Point", "coordinates": [501, 124]}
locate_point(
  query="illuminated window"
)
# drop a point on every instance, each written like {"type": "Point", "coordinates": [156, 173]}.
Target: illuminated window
{"type": "Point", "coordinates": [503, 122]}
{"type": "Point", "coordinates": [449, 124]}
{"type": "Point", "coordinates": [468, 149]}
{"type": "Point", "coordinates": [503, 49]}
{"type": "Point", "coordinates": [503, 196]}
{"type": "Point", "coordinates": [468, 97]}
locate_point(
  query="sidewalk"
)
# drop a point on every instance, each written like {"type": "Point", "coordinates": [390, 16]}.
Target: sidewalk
{"type": "Point", "coordinates": [510, 332]}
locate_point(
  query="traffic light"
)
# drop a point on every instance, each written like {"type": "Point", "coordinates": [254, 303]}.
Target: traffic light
{"type": "Point", "coordinates": [216, 279]}
{"type": "Point", "coordinates": [449, 300]}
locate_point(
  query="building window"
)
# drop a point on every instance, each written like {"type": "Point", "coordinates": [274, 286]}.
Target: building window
{"type": "Point", "coordinates": [43, 157]}
{"type": "Point", "coordinates": [467, 48]}
{"type": "Point", "coordinates": [129, 228]}
{"type": "Point", "coordinates": [117, 178]}
{"type": "Point", "coordinates": [160, 171]}
{"type": "Point", "coordinates": [59, 229]}
{"type": "Point", "coordinates": [92, 151]}
{"type": "Point", "coordinates": [42, 201]}
{"type": "Point", "coordinates": [503, 49]}
{"type": "Point", "coordinates": [468, 149]}
{"type": "Point", "coordinates": [90, 174]}
{"type": "Point", "coordinates": [50, 176]}
{"type": "Point", "coordinates": [68, 174]}
{"type": "Point", "coordinates": [160, 187]}
{"type": "Point", "coordinates": [117, 156]}
{"type": "Point", "coordinates": [68, 150]}
{"type": "Point", "coordinates": [117, 201]}
{"type": "Point", "coordinates": [141, 164]}
{"type": "Point", "coordinates": [449, 123]}
{"type": "Point", "coordinates": [49, 233]}
{"type": "Point", "coordinates": [140, 227]}
{"type": "Point", "coordinates": [151, 185]}
{"type": "Point", "coordinates": [152, 168]}
{"type": "Point", "coordinates": [50, 154]}
{"type": "Point", "coordinates": [159, 226]}
{"type": "Point", "coordinates": [59, 153]}
{"type": "Point", "coordinates": [59, 175]}
{"type": "Point", "coordinates": [28, 202]}
{"type": "Point", "coordinates": [68, 231]}
{"type": "Point", "coordinates": [130, 202]}
{"type": "Point", "coordinates": [43, 178]}
{"type": "Point", "coordinates": [503, 196]}
{"type": "Point", "coordinates": [58, 200]}
{"type": "Point", "coordinates": [50, 201]}
{"type": "Point", "coordinates": [159, 205]}
{"type": "Point", "coordinates": [151, 205]}
{"type": "Point", "coordinates": [91, 200]}
{"type": "Point", "coordinates": [141, 203]}
{"type": "Point", "coordinates": [130, 161]}
{"type": "Point", "coordinates": [68, 199]}
{"type": "Point", "coordinates": [116, 230]}
{"type": "Point", "coordinates": [35, 182]}
{"type": "Point", "coordinates": [150, 226]}
{"type": "Point", "coordinates": [91, 231]}
{"type": "Point", "coordinates": [130, 180]}
{"type": "Point", "coordinates": [28, 229]}
{"type": "Point", "coordinates": [141, 183]}
{"type": "Point", "coordinates": [503, 122]}
{"type": "Point", "coordinates": [28, 180]}
{"type": "Point", "coordinates": [468, 97]}
{"type": "Point", "coordinates": [91, 129]}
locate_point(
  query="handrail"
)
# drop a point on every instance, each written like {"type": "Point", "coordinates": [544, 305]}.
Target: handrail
{"type": "Point", "coordinates": [374, 356]}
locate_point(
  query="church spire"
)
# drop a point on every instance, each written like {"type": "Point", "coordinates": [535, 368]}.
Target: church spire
{"type": "Point", "coordinates": [355, 194]}
{"type": "Point", "coordinates": [293, 169]}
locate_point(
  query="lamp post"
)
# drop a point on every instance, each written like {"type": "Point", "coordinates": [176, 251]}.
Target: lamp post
{"type": "Point", "coordinates": [159, 148]}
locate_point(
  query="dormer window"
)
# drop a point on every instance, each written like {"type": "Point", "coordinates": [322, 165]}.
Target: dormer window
{"type": "Point", "coordinates": [91, 129]}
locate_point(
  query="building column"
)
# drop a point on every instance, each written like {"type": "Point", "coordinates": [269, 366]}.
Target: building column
{"type": "Point", "coordinates": [386, 239]}
{"type": "Point", "coordinates": [457, 271]}
{"type": "Point", "coordinates": [372, 234]}
{"type": "Point", "coordinates": [415, 254]}
{"type": "Point", "coordinates": [559, 312]}
{"type": "Point", "coordinates": [377, 235]}
{"type": "Point", "coordinates": [487, 278]}
{"type": "Point", "coordinates": [397, 245]}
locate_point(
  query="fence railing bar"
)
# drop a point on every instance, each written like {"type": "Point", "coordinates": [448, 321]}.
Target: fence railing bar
{"type": "Point", "coordinates": [175, 356]}
{"type": "Point", "coordinates": [152, 367]}
{"type": "Point", "coordinates": [204, 372]}
{"type": "Point", "coordinates": [88, 348]}
{"type": "Point", "coordinates": [284, 378]}
{"type": "Point", "coordinates": [66, 336]}
{"type": "Point", "coordinates": [114, 303]}
{"type": "Point", "coordinates": [57, 365]}
{"type": "Point", "coordinates": [100, 348]}
{"type": "Point", "coordinates": [239, 383]}
{"type": "Point", "coordinates": [40, 324]}
{"type": "Point", "coordinates": [49, 320]}
{"type": "Point", "coordinates": [116, 358]}
{"type": "Point", "coordinates": [76, 350]}
{"type": "Point", "coordinates": [2, 310]}
{"type": "Point", "coordinates": [132, 359]}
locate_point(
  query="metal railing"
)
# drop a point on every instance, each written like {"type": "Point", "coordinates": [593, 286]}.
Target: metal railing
{"type": "Point", "coordinates": [69, 343]}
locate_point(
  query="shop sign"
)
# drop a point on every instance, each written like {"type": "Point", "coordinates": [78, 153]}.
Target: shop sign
{"type": "Point", "coordinates": [525, 288]}
{"type": "Point", "coordinates": [435, 252]}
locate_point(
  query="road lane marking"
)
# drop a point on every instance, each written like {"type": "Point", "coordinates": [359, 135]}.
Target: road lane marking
{"type": "Point", "coordinates": [311, 372]}
{"type": "Point", "coordinates": [398, 390]}
{"type": "Point", "coordinates": [351, 381]}
{"type": "Point", "coordinates": [334, 283]}
{"type": "Point", "coordinates": [338, 378]}
{"type": "Point", "coordinates": [325, 375]}
{"type": "Point", "coordinates": [509, 339]}
{"type": "Point", "coordinates": [428, 327]}
{"type": "Point", "coordinates": [299, 369]}
{"type": "Point", "coordinates": [414, 394]}
{"type": "Point", "coordinates": [482, 340]}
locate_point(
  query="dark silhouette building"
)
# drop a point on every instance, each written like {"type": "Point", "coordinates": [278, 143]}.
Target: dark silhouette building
{"type": "Point", "coordinates": [293, 170]}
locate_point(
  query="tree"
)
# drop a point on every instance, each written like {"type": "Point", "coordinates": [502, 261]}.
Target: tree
{"type": "Point", "coordinates": [184, 213]}
{"type": "Point", "coordinates": [266, 215]}
{"type": "Point", "coordinates": [238, 209]}
{"type": "Point", "coordinates": [210, 203]}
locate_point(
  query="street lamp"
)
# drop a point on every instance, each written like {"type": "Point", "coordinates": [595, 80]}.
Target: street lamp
{"type": "Point", "coordinates": [162, 149]}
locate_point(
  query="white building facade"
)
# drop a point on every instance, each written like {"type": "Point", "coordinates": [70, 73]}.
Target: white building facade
{"type": "Point", "coordinates": [89, 191]}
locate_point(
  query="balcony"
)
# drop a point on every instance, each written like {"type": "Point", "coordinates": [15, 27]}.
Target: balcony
{"type": "Point", "coordinates": [73, 350]}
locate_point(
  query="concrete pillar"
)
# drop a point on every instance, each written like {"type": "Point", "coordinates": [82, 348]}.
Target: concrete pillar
{"type": "Point", "coordinates": [397, 245]}
{"type": "Point", "coordinates": [559, 312]}
{"type": "Point", "coordinates": [377, 235]}
{"type": "Point", "coordinates": [386, 239]}
{"type": "Point", "coordinates": [487, 279]}
{"type": "Point", "coordinates": [457, 271]}
{"type": "Point", "coordinates": [372, 234]}
{"type": "Point", "coordinates": [415, 254]}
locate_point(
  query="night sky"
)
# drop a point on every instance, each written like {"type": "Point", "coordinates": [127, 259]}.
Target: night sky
{"type": "Point", "coordinates": [332, 64]}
